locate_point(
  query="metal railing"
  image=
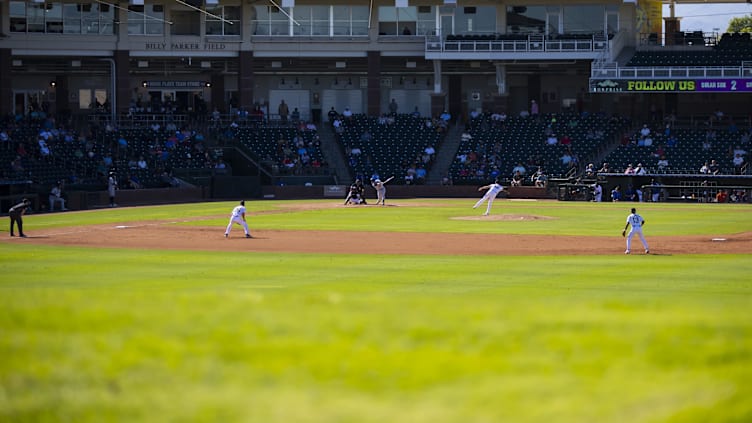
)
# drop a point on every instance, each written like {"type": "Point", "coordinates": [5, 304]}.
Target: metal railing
{"type": "Point", "coordinates": [524, 44]}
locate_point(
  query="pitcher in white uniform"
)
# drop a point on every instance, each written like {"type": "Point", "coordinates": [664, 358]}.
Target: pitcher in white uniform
{"type": "Point", "coordinates": [636, 221]}
{"type": "Point", "coordinates": [493, 190]}
{"type": "Point", "coordinates": [238, 216]}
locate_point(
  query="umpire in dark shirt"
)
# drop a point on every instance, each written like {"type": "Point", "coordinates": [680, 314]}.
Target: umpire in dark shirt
{"type": "Point", "coordinates": [16, 216]}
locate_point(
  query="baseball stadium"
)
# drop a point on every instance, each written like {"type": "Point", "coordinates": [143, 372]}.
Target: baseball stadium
{"type": "Point", "coordinates": [436, 196]}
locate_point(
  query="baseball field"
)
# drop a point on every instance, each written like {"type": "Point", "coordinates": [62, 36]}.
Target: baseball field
{"type": "Point", "coordinates": [420, 311]}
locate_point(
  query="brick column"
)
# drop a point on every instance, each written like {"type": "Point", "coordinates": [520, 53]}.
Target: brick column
{"type": "Point", "coordinates": [6, 93]}
{"type": "Point", "coordinates": [374, 83]}
{"type": "Point", "coordinates": [245, 80]}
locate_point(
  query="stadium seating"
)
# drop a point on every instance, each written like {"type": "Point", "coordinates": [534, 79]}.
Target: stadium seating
{"type": "Point", "coordinates": [391, 147]}
{"type": "Point", "coordinates": [501, 146]}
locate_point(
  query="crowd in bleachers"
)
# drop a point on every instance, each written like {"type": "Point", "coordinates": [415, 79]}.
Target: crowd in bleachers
{"type": "Point", "coordinates": [392, 144]}
{"type": "Point", "coordinates": [521, 148]}
{"type": "Point", "coordinates": [292, 149]}
{"type": "Point", "coordinates": [718, 146]}
{"type": "Point", "coordinates": [42, 150]}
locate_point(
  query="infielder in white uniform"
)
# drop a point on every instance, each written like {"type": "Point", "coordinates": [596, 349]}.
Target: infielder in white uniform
{"type": "Point", "coordinates": [636, 221]}
{"type": "Point", "coordinates": [238, 216]}
{"type": "Point", "coordinates": [378, 185]}
{"type": "Point", "coordinates": [493, 190]}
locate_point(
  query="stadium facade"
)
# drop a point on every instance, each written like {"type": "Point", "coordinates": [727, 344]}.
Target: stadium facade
{"type": "Point", "coordinates": [430, 56]}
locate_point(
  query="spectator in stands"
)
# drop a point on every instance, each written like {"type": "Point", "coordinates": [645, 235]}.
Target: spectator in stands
{"type": "Point", "coordinates": [705, 169]}
{"type": "Point", "coordinates": [534, 110]}
{"type": "Point", "coordinates": [519, 168]}
{"type": "Point", "coordinates": [420, 174]}
{"type": "Point", "coordinates": [566, 159]}
{"type": "Point", "coordinates": [605, 168]}
{"type": "Point", "coordinates": [738, 151]}
{"type": "Point", "coordinates": [446, 180]}
{"type": "Point", "coordinates": [56, 197]}
{"type": "Point", "coordinates": [745, 137]}
{"type": "Point", "coordinates": [132, 182]}
{"type": "Point", "coordinates": [499, 117]}
{"type": "Point", "coordinates": [722, 196]}
{"type": "Point", "coordinates": [283, 110]}
{"type": "Point", "coordinates": [347, 114]}
{"type": "Point", "coordinates": [662, 164]}
{"type": "Point", "coordinates": [552, 140]}
{"type": "Point", "coordinates": [738, 164]}
{"type": "Point", "coordinates": [541, 180]}
{"type": "Point", "coordinates": [714, 167]}
{"type": "Point", "coordinates": [142, 163]}
{"type": "Point", "coordinates": [416, 113]}
{"type": "Point", "coordinates": [445, 117]}
{"type": "Point", "coordinates": [590, 171]}
{"type": "Point", "coordinates": [629, 170]}
{"type": "Point", "coordinates": [338, 126]}
{"type": "Point", "coordinates": [517, 179]}
{"type": "Point", "coordinates": [639, 170]}
{"type": "Point", "coordinates": [295, 116]}
{"type": "Point", "coordinates": [393, 107]}
{"type": "Point", "coordinates": [645, 131]}
{"type": "Point", "coordinates": [332, 115]}
{"type": "Point", "coordinates": [410, 175]}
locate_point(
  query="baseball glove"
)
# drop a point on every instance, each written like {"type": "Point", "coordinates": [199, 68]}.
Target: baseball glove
{"type": "Point", "coordinates": [624, 233]}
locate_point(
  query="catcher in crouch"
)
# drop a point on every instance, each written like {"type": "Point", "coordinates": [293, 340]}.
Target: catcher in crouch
{"type": "Point", "coordinates": [356, 195]}
{"type": "Point", "coordinates": [380, 188]}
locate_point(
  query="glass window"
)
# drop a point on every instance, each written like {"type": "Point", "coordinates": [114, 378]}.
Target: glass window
{"type": "Point", "coordinates": [146, 20]}
{"type": "Point", "coordinates": [350, 20]}
{"type": "Point", "coordinates": [526, 19]}
{"type": "Point", "coordinates": [17, 16]}
{"type": "Point", "coordinates": [216, 26]}
{"type": "Point", "coordinates": [426, 20]}
{"type": "Point", "coordinates": [270, 21]}
{"type": "Point", "coordinates": [477, 19]}
{"type": "Point", "coordinates": [583, 19]}
{"type": "Point", "coordinates": [185, 22]}
{"type": "Point", "coordinates": [53, 18]}
{"type": "Point", "coordinates": [72, 18]}
{"type": "Point", "coordinates": [35, 17]}
{"type": "Point", "coordinates": [398, 20]}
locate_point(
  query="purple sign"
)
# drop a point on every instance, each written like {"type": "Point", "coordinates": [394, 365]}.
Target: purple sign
{"type": "Point", "coordinates": [723, 85]}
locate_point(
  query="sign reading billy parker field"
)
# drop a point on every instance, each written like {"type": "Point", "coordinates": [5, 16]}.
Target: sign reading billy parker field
{"type": "Point", "coordinates": [672, 85]}
{"type": "Point", "coordinates": [185, 46]}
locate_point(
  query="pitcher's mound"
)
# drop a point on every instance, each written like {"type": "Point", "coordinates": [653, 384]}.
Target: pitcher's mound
{"type": "Point", "coordinates": [504, 217]}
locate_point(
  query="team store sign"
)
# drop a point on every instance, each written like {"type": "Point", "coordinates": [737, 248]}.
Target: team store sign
{"type": "Point", "coordinates": [672, 85]}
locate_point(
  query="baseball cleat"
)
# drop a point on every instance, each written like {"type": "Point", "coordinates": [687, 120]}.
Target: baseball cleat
{"type": "Point", "coordinates": [225, 235]}
{"type": "Point", "coordinates": [647, 251]}
{"type": "Point", "coordinates": [248, 236]}
{"type": "Point", "coordinates": [626, 252]}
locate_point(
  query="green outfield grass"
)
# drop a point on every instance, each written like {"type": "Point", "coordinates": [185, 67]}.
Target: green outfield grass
{"type": "Point", "coordinates": [173, 336]}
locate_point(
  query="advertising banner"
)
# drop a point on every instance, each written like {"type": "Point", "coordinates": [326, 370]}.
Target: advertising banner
{"type": "Point", "coordinates": [719, 85]}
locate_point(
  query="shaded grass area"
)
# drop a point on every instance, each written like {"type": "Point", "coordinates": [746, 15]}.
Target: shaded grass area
{"type": "Point", "coordinates": [124, 335]}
